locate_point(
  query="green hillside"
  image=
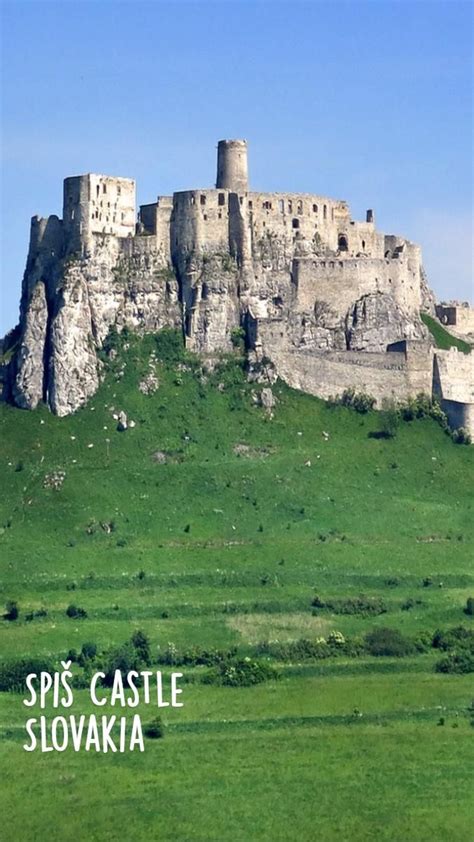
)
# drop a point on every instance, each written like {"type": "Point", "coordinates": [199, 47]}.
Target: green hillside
{"type": "Point", "coordinates": [442, 337]}
{"type": "Point", "coordinates": [211, 525]}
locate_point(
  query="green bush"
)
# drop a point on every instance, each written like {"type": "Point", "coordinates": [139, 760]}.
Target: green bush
{"type": "Point", "coordinates": [243, 672]}
{"type": "Point", "coordinates": [469, 609]}
{"type": "Point", "coordinates": [12, 610]}
{"type": "Point", "coordinates": [76, 613]}
{"type": "Point", "coordinates": [459, 663]}
{"type": "Point", "coordinates": [13, 674]}
{"type": "Point", "coordinates": [141, 643]}
{"type": "Point", "coordinates": [154, 730]}
{"type": "Point", "coordinates": [461, 436]}
{"type": "Point", "coordinates": [456, 638]}
{"type": "Point", "coordinates": [88, 653]}
{"type": "Point", "coordinates": [169, 346]}
{"type": "Point", "coordinates": [387, 642]}
{"type": "Point", "coordinates": [124, 658]}
{"type": "Point", "coordinates": [359, 401]}
{"type": "Point", "coordinates": [366, 606]}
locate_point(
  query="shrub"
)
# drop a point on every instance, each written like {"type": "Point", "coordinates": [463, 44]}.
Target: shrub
{"type": "Point", "coordinates": [154, 730]}
{"type": "Point", "coordinates": [243, 672]}
{"type": "Point", "coordinates": [390, 420]}
{"type": "Point", "coordinates": [359, 401]}
{"type": "Point", "coordinates": [461, 436]}
{"type": "Point", "coordinates": [387, 642]}
{"type": "Point", "coordinates": [469, 609]}
{"type": "Point", "coordinates": [366, 606]}
{"type": "Point", "coordinates": [169, 346]}
{"type": "Point", "coordinates": [124, 658]}
{"type": "Point", "coordinates": [13, 673]}
{"type": "Point", "coordinates": [457, 662]}
{"type": "Point", "coordinates": [141, 643]}
{"type": "Point", "coordinates": [88, 652]}
{"type": "Point", "coordinates": [237, 337]}
{"type": "Point", "coordinates": [457, 638]}
{"type": "Point", "coordinates": [76, 613]}
{"type": "Point", "coordinates": [12, 610]}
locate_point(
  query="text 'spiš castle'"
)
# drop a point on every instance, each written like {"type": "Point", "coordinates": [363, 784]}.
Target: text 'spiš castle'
{"type": "Point", "coordinates": [332, 302]}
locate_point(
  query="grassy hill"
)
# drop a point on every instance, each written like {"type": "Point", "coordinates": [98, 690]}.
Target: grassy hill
{"type": "Point", "coordinates": [442, 337]}
{"type": "Point", "coordinates": [211, 524]}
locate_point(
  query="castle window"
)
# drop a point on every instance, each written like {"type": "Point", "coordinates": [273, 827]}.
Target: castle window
{"type": "Point", "coordinates": [296, 223]}
{"type": "Point", "coordinates": [250, 205]}
{"type": "Point", "coordinates": [342, 242]}
{"type": "Point", "coordinates": [267, 205]}
{"type": "Point", "coordinates": [363, 245]}
{"type": "Point", "coordinates": [193, 199]}
{"type": "Point", "coordinates": [72, 214]}
{"type": "Point", "coordinates": [300, 208]}
{"type": "Point", "coordinates": [281, 206]}
{"type": "Point", "coordinates": [204, 292]}
{"type": "Point", "coordinates": [203, 200]}
{"type": "Point", "coordinates": [114, 219]}
{"type": "Point", "coordinates": [97, 214]}
{"type": "Point", "coordinates": [97, 189]}
{"type": "Point", "coordinates": [221, 199]}
{"type": "Point", "coordinates": [241, 200]}
{"type": "Point", "coordinates": [205, 217]}
{"type": "Point", "coordinates": [290, 206]}
{"type": "Point", "coordinates": [219, 215]}
{"type": "Point", "coordinates": [104, 188]}
{"type": "Point", "coordinates": [119, 190]}
{"type": "Point", "coordinates": [315, 208]}
{"type": "Point", "coordinates": [325, 211]}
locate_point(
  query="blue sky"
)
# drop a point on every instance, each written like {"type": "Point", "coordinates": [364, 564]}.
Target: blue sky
{"type": "Point", "coordinates": [370, 101]}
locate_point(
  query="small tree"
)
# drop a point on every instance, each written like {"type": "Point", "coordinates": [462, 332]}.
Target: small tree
{"type": "Point", "coordinates": [141, 643]}
{"type": "Point", "coordinates": [469, 609]}
{"type": "Point", "coordinates": [390, 418]}
{"type": "Point", "coordinates": [12, 610]}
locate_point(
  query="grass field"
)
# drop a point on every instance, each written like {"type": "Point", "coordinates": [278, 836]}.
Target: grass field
{"type": "Point", "coordinates": [442, 337]}
{"type": "Point", "coordinates": [209, 523]}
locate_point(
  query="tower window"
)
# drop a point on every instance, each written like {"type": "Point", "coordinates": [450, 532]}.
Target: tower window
{"type": "Point", "coordinates": [281, 206]}
{"type": "Point", "coordinates": [104, 188]}
{"type": "Point", "coordinates": [97, 189]}
{"type": "Point", "coordinates": [325, 211]}
{"type": "Point", "coordinates": [342, 242]}
{"type": "Point", "coordinates": [363, 245]}
{"type": "Point", "coordinates": [300, 208]}
{"type": "Point", "coordinates": [221, 199]}
{"type": "Point", "coordinates": [315, 208]}
{"type": "Point", "coordinates": [296, 223]}
{"type": "Point", "coordinates": [119, 190]}
{"type": "Point", "coordinates": [203, 200]}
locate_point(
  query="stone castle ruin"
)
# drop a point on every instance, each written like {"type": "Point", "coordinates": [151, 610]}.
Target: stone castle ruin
{"type": "Point", "coordinates": [331, 301]}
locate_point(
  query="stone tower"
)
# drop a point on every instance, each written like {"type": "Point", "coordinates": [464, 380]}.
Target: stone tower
{"type": "Point", "coordinates": [232, 171]}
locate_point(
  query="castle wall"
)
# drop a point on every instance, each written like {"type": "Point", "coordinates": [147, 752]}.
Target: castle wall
{"type": "Point", "coordinates": [339, 282]}
{"type": "Point", "coordinates": [453, 384]}
{"type": "Point", "coordinates": [98, 204]}
{"type": "Point", "coordinates": [458, 316]}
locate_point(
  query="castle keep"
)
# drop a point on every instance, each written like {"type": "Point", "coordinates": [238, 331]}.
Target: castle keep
{"type": "Point", "coordinates": [331, 301]}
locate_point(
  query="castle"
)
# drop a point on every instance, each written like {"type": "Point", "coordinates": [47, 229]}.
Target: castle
{"type": "Point", "coordinates": [331, 301]}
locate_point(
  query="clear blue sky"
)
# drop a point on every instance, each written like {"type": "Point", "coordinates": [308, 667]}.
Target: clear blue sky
{"type": "Point", "coordinates": [366, 101]}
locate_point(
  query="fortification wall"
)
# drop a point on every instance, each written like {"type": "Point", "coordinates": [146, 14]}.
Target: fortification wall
{"type": "Point", "coordinates": [328, 374]}
{"type": "Point", "coordinates": [339, 282]}
{"type": "Point", "coordinates": [459, 317]}
{"type": "Point", "coordinates": [98, 204]}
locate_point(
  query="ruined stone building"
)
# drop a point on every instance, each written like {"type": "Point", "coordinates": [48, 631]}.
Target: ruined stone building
{"type": "Point", "coordinates": [331, 301]}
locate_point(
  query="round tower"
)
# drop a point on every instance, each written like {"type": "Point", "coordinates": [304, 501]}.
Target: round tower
{"type": "Point", "coordinates": [232, 172]}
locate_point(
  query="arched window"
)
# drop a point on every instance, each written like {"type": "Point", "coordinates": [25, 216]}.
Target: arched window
{"type": "Point", "coordinates": [315, 208]}
{"type": "Point", "coordinates": [290, 206]}
{"type": "Point", "coordinates": [342, 242]}
{"type": "Point", "coordinates": [296, 223]}
{"type": "Point", "coordinates": [325, 211]}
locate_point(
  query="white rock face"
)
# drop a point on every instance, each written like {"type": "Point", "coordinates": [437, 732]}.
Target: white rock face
{"type": "Point", "coordinates": [28, 388]}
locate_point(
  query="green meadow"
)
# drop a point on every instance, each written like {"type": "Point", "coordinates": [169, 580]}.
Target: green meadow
{"type": "Point", "coordinates": [212, 524]}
